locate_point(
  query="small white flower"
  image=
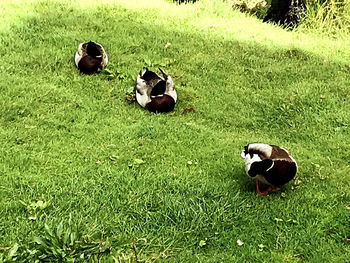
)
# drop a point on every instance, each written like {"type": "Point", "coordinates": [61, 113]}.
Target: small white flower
{"type": "Point", "coordinates": [239, 242]}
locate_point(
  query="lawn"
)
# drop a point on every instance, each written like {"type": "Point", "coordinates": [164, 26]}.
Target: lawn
{"type": "Point", "coordinates": [86, 175]}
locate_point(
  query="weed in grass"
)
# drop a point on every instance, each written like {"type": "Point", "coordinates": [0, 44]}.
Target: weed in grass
{"type": "Point", "coordinates": [34, 208]}
{"type": "Point", "coordinates": [65, 243]}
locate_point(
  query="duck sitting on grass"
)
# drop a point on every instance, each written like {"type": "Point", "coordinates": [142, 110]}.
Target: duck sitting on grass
{"type": "Point", "coordinates": [268, 164]}
{"type": "Point", "coordinates": [155, 93]}
{"type": "Point", "coordinates": [90, 57]}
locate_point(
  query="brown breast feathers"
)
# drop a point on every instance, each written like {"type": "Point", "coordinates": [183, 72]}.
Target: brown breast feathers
{"type": "Point", "coordinates": [164, 103]}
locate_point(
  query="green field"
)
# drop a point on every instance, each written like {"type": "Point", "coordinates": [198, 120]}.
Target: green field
{"type": "Point", "coordinates": [86, 175]}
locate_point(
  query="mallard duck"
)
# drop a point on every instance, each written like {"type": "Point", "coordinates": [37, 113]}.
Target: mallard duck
{"type": "Point", "coordinates": [155, 93]}
{"type": "Point", "coordinates": [269, 164]}
{"type": "Point", "coordinates": [90, 57]}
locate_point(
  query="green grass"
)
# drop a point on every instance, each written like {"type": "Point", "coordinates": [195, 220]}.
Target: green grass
{"type": "Point", "coordinates": [85, 174]}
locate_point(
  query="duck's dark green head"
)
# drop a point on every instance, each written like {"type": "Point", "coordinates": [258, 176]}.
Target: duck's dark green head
{"type": "Point", "coordinates": [158, 89]}
{"type": "Point", "coordinates": [92, 49]}
{"type": "Point", "coordinates": [148, 75]}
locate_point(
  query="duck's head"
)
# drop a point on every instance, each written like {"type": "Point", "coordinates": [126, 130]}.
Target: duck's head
{"type": "Point", "coordinates": [249, 159]}
{"type": "Point", "coordinates": [158, 89]}
{"type": "Point", "coordinates": [92, 49]}
{"type": "Point", "coordinates": [254, 164]}
{"type": "Point", "coordinates": [149, 76]}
